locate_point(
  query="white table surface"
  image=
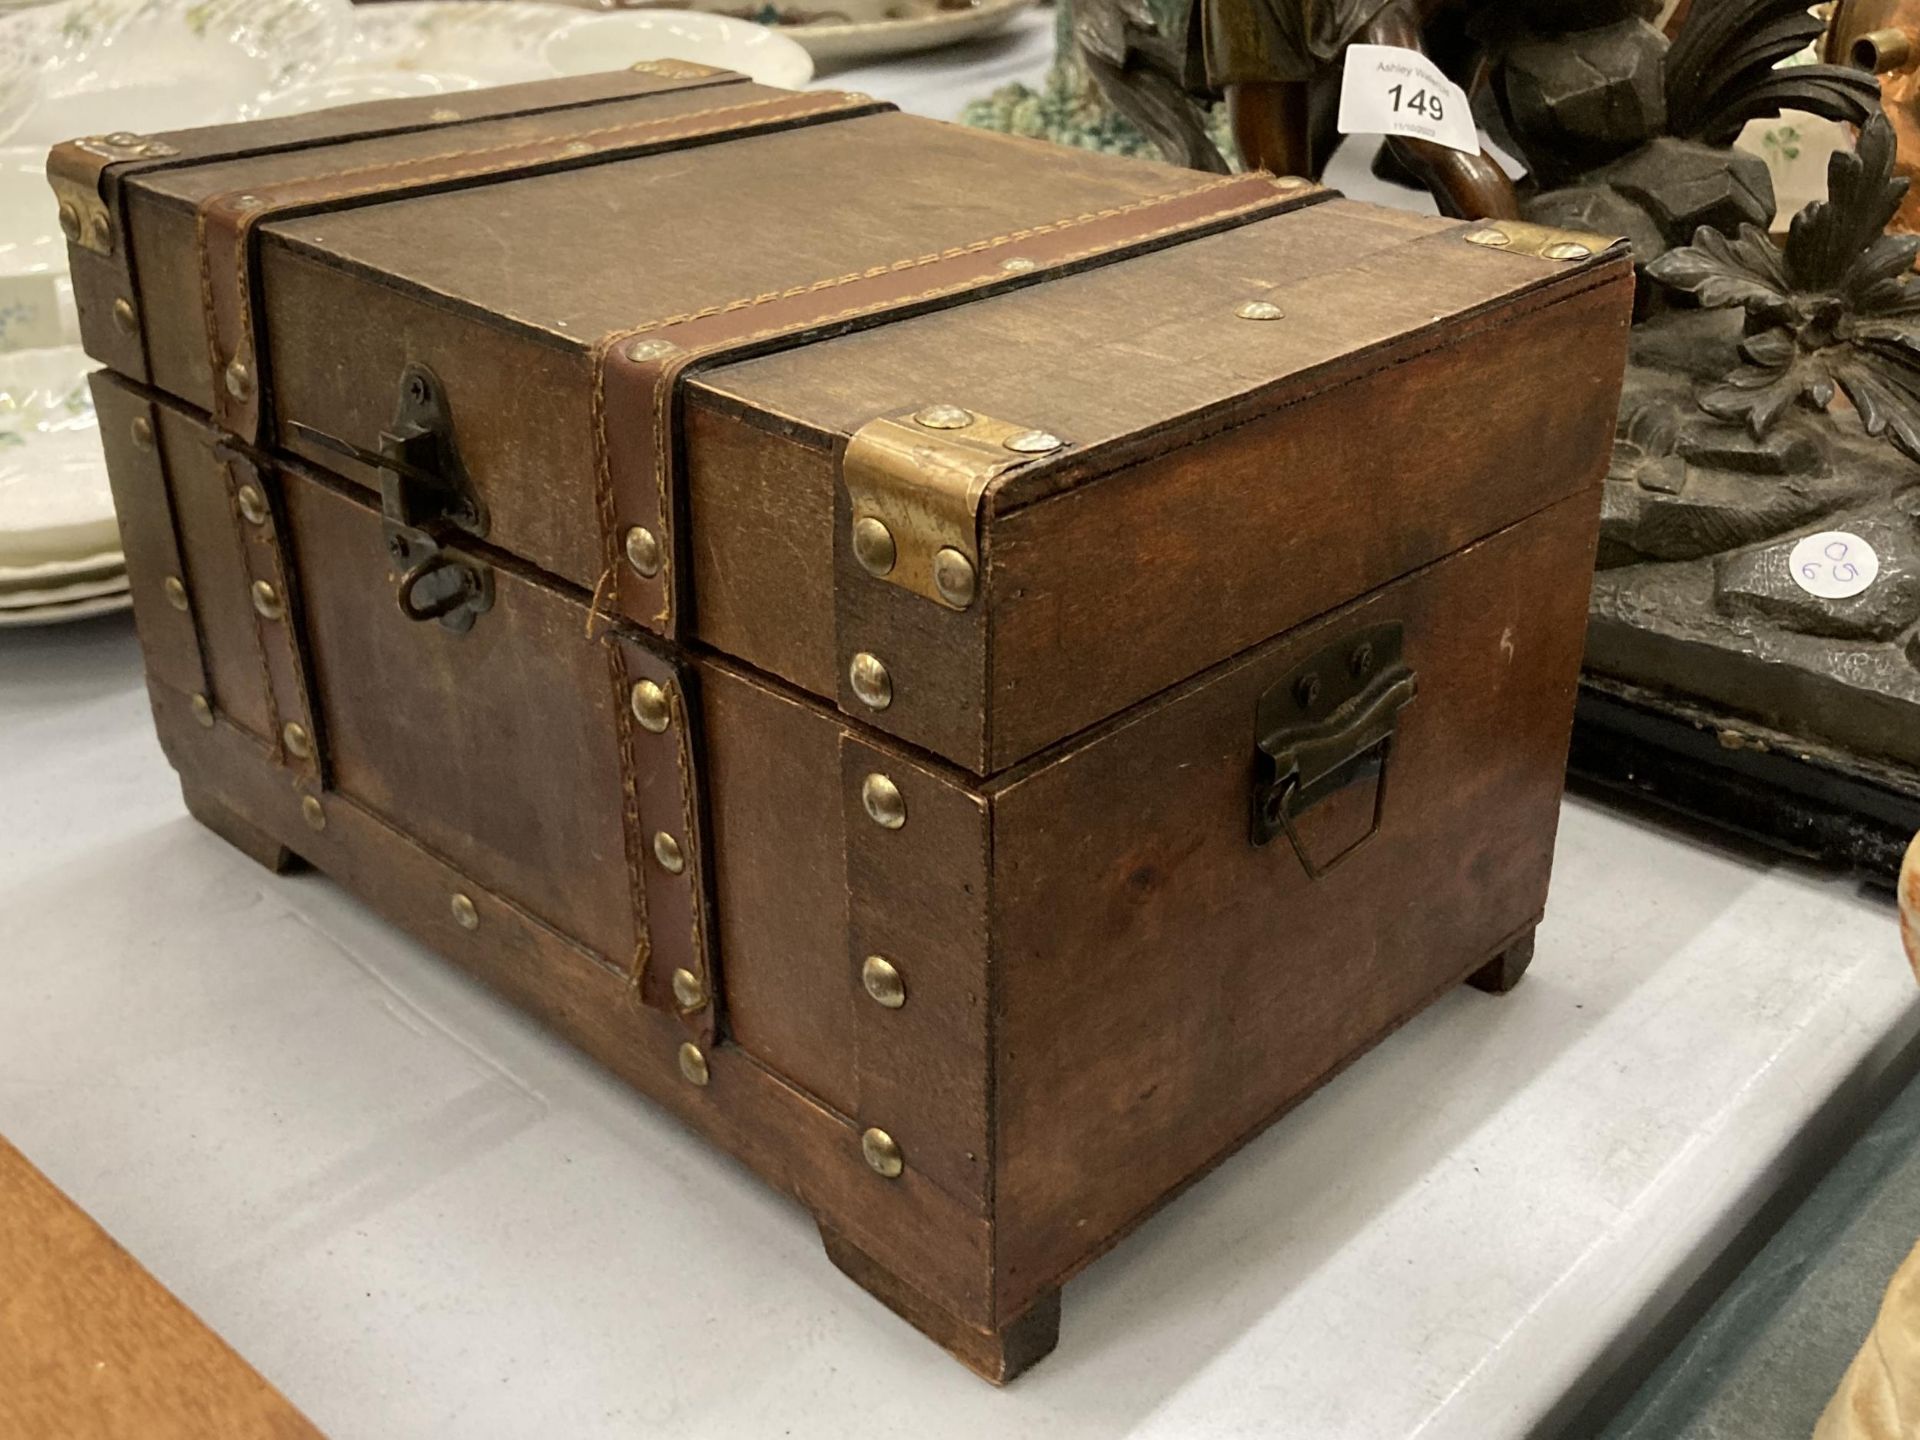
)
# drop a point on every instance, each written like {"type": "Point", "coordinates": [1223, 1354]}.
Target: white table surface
{"type": "Point", "coordinates": [420, 1215]}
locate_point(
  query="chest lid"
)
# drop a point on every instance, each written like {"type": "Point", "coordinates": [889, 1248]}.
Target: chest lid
{"type": "Point", "coordinates": [672, 338]}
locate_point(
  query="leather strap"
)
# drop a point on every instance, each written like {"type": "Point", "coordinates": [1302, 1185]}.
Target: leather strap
{"type": "Point", "coordinates": [258, 520]}
{"type": "Point", "coordinates": [165, 599]}
{"type": "Point", "coordinates": [227, 223]}
{"type": "Point", "coordinates": [638, 370]}
{"type": "Point", "coordinates": [90, 175]}
{"type": "Point", "coordinates": [665, 834]}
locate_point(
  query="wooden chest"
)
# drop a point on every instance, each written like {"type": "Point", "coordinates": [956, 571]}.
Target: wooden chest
{"type": "Point", "coordinates": [975, 674]}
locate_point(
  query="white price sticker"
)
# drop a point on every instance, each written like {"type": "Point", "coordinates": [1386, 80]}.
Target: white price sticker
{"type": "Point", "coordinates": [1390, 91]}
{"type": "Point", "coordinates": [1833, 565]}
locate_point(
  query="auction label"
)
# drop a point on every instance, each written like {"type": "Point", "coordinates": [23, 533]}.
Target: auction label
{"type": "Point", "coordinates": [1390, 91]}
{"type": "Point", "coordinates": [1834, 565]}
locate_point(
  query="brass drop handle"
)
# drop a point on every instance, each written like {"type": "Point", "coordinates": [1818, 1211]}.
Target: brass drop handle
{"type": "Point", "coordinates": [1329, 723]}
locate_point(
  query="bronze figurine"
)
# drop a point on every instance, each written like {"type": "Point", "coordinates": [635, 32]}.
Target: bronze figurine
{"type": "Point", "coordinates": [1278, 62]}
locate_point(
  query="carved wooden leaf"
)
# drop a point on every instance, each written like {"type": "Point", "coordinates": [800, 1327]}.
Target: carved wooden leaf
{"type": "Point", "coordinates": [1754, 397]}
{"type": "Point", "coordinates": [1721, 271]}
{"type": "Point", "coordinates": [1721, 70]}
{"type": "Point", "coordinates": [1828, 237]}
{"type": "Point", "coordinates": [1885, 389]}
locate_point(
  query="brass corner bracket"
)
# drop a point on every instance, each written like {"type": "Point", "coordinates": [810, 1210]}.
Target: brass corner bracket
{"type": "Point", "coordinates": [1545, 242]}
{"type": "Point", "coordinates": [74, 169]}
{"type": "Point", "coordinates": [914, 483]}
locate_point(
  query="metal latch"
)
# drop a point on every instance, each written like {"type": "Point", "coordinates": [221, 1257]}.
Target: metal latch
{"type": "Point", "coordinates": [1327, 724]}
{"type": "Point", "coordinates": [426, 505]}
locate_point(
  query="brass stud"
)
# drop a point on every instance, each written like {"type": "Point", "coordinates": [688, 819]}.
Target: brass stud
{"type": "Point", "coordinates": [100, 232]}
{"type": "Point", "coordinates": [266, 600]}
{"type": "Point", "coordinates": [643, 551]}
{"type": "Point", "coordinates": [883, 1153]}
{"type": "Point", "coordinates": [253, 505]}
{"type": "Point", "coordinates": [123, 317]}
{"type": "Point", "coordinates": [1033, 442]}
{"type": "Point", "coordinates": [883, 982]}
{"type": "Point", "coordinates": [688, 991]}
{"type": "Point", "coordinates": [873, 545]}
{"type": "Point", "coordinates": [240, 379]}
{"type": "Point", "coordinates": [1259, 310]}
{"type": "Point", "coordinates": [202, 710]}
{"type": "Point", "coordinates": [693, 1064]}
{"type": "Point", "coordinates": [1567, 250]}
{"type": "Point", "coordinates": [886, 806]}
{"type": "Point", "coordinates": [70, 220]}
{"type": "Point", "coordinates": [650, 706]}
{"type": "Point", "coordinates": [464, 914]}
{"type": "Point", "coordinates": [872, 685]}
{"type": "Point", "coordinates": [643, 350]}
{"type": "Point", "coordinates": [953, 577]}
{"type": "Point", "coordinates": [944, 417]}
{"type": "Point", "coordinates": [298, 742]}
{"type": "Point", "coordinates": [1487, 235]}
{"type": "Point", "coordinates": [666, 850]}
{"type": "Point", "coordinates": [142, 433]}
{"type": "Point", "coordinates": [313, 812]}
{"type": "Point", "coordinates": [176, 592]}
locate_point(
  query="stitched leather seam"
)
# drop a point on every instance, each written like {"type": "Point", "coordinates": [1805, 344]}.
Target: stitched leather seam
{"type": "Point", "coordinates": [653, 131]}
{"type": "Point", "coordinates": [630, 814]}
{"type": "Point", "coordinates": [669, 374]}
{"type": "Point", "coordinates": [682, 752]}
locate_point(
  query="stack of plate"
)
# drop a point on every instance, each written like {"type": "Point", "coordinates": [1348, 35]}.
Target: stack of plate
{"type": "Point", "coordinates": [63, 589]}
{"type": "Point", "coordinates": [59, 547]}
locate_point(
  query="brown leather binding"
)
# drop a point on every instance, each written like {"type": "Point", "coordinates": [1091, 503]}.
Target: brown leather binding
{"type": "Point", "coordinates": [93, 172]}
{"type": "Point", "coordinates": [639, 369]}
{"type": "Point", "coordinates": [662, 796]}
{"type": "Point", "coordinates": [227, 222]}
{"type": "Point", "coordinates": [136, 468]}
{"type": "Point", "coordinates": [277, 626]}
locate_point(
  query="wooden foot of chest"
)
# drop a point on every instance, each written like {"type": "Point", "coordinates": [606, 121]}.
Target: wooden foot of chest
{"type": "Point", "coordinates": [246, 837]}
{"type": "Point", "coordinates": [997, 1355]}
{"type": "Point", "coordinates": [1503, 971]}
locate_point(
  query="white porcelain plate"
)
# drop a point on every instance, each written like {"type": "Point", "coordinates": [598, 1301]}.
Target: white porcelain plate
{"type": "Point", "coordinates": [56, 574]}
{"type": "Point", "coordinates": [54, 500]}
{"type": "Point", "coordinates": [83, 67]}
{"type": "Point", "coordinates": [496, 42]}
{"type": "Point", "coordinates": [841, 31]}
{"type": "Point", "coordinates": [67, 610]}
{"type": "Point", "coordinates": [36, 297]}
{"type": "Point", "coordinates": [619, 38]}
{"type": "Point", "coordinates": [115, 584]}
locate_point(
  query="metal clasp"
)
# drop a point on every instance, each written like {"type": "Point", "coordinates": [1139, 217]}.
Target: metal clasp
{"type": "Point", "coordinates": [1327, 724]}
{"type": "Point", "coordinates": [426, 504]}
